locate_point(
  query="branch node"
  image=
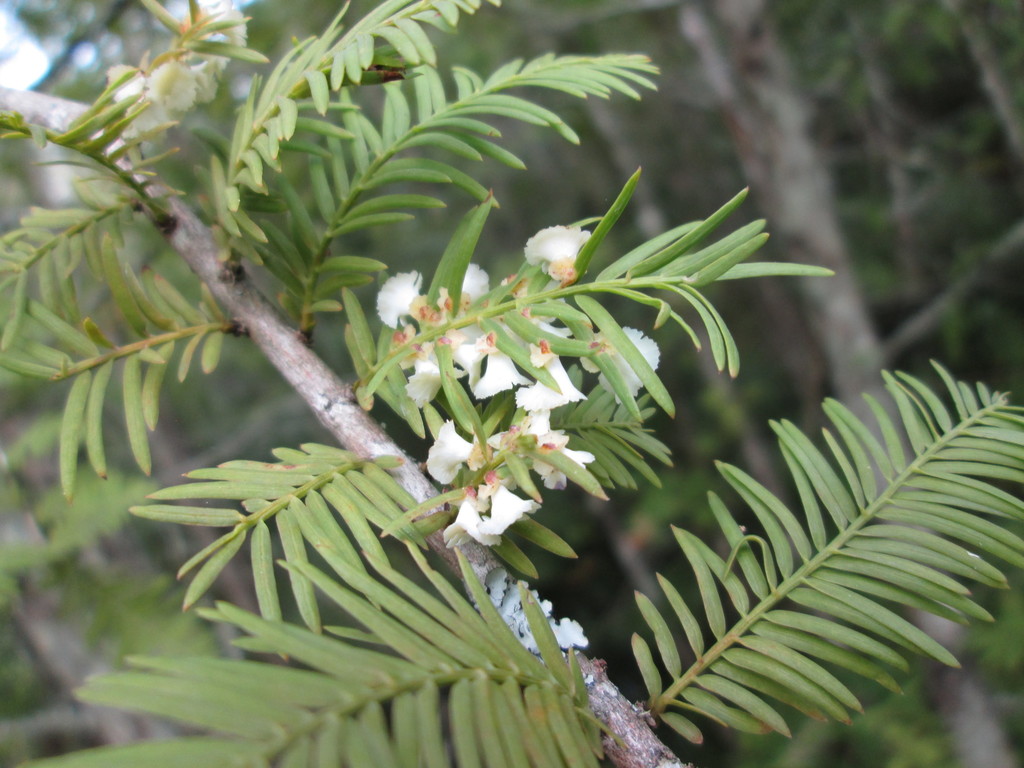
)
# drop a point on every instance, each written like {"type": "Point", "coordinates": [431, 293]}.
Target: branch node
{"type": "Point", "coordinates": [166, 224]}
{"type": "Point", "coordinates": [232, 272]}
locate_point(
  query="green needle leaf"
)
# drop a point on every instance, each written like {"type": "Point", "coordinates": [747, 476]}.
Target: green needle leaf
{"type": "Point", "coordinates": [71, 432]}
{"type": "Point", "coordinates": [452, 268]}
{"type": "Point", "coordinates": [135, 418]}
{"type": "Point", "coordinates": [622, 344]}
{"type": "Point", "coordinates": [586, 253]}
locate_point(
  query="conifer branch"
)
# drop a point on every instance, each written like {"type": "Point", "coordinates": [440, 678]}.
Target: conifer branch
{"type": "Point", "coordinates": [333, 403]}
{"type": "Point", "coordinates": [330, 399]}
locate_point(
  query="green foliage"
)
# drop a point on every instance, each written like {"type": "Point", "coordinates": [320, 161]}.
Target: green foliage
{"type": "Point", "coordinates": [677, 262]}
{"type": "Point", "coordinates": [879, 526]}
{"type": "Point", "coordinates": [306, 494]}
{"type": "Point", "coordinates": [51, 338]}
{"type": "Point", "coordinates": [362, 158]}
{"type": "Point", "coordinates": [426, 670]}
{"type": "Point", "coordinates": [349, 157]}
{"type": "Point", "coordinates": [339, 138]}
{"type": "Point", "coordinates": [618, 441]}
{"type": "Point", "coordinates": [64, 530]}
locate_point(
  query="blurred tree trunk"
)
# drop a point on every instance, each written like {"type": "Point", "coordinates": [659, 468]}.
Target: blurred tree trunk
{"type": "Point", "coordinates": [964, 702]}
{"type": "Point", "coordinates": [994, 81]}
{"type": "Point", "coordinates": [883, 125]}
{"type": "Point", "coordinates": [769, 118]}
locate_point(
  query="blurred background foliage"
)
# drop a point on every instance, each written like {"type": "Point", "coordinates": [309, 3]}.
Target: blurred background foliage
{"type": "Point", "coordinates": [914, 117]}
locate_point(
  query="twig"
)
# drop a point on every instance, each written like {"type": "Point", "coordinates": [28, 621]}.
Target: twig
{"type": "Point", "coordinates": [632, 724]}
{"type": "Point", "coordinates": [61, 719]}
{"type": "Point", "coordinates": [64, 660]}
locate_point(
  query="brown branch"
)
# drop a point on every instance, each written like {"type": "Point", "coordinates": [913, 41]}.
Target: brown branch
{"type": "Point", "coordinates": [632, 724]}
{"type": "Point", "coordinates": [332, 401]}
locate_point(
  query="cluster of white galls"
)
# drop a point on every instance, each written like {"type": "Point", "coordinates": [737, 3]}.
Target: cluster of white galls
{"type": "Point", "coordinates": [488, 509]}
{"type": "Point", "coordinates": [177, 83]}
